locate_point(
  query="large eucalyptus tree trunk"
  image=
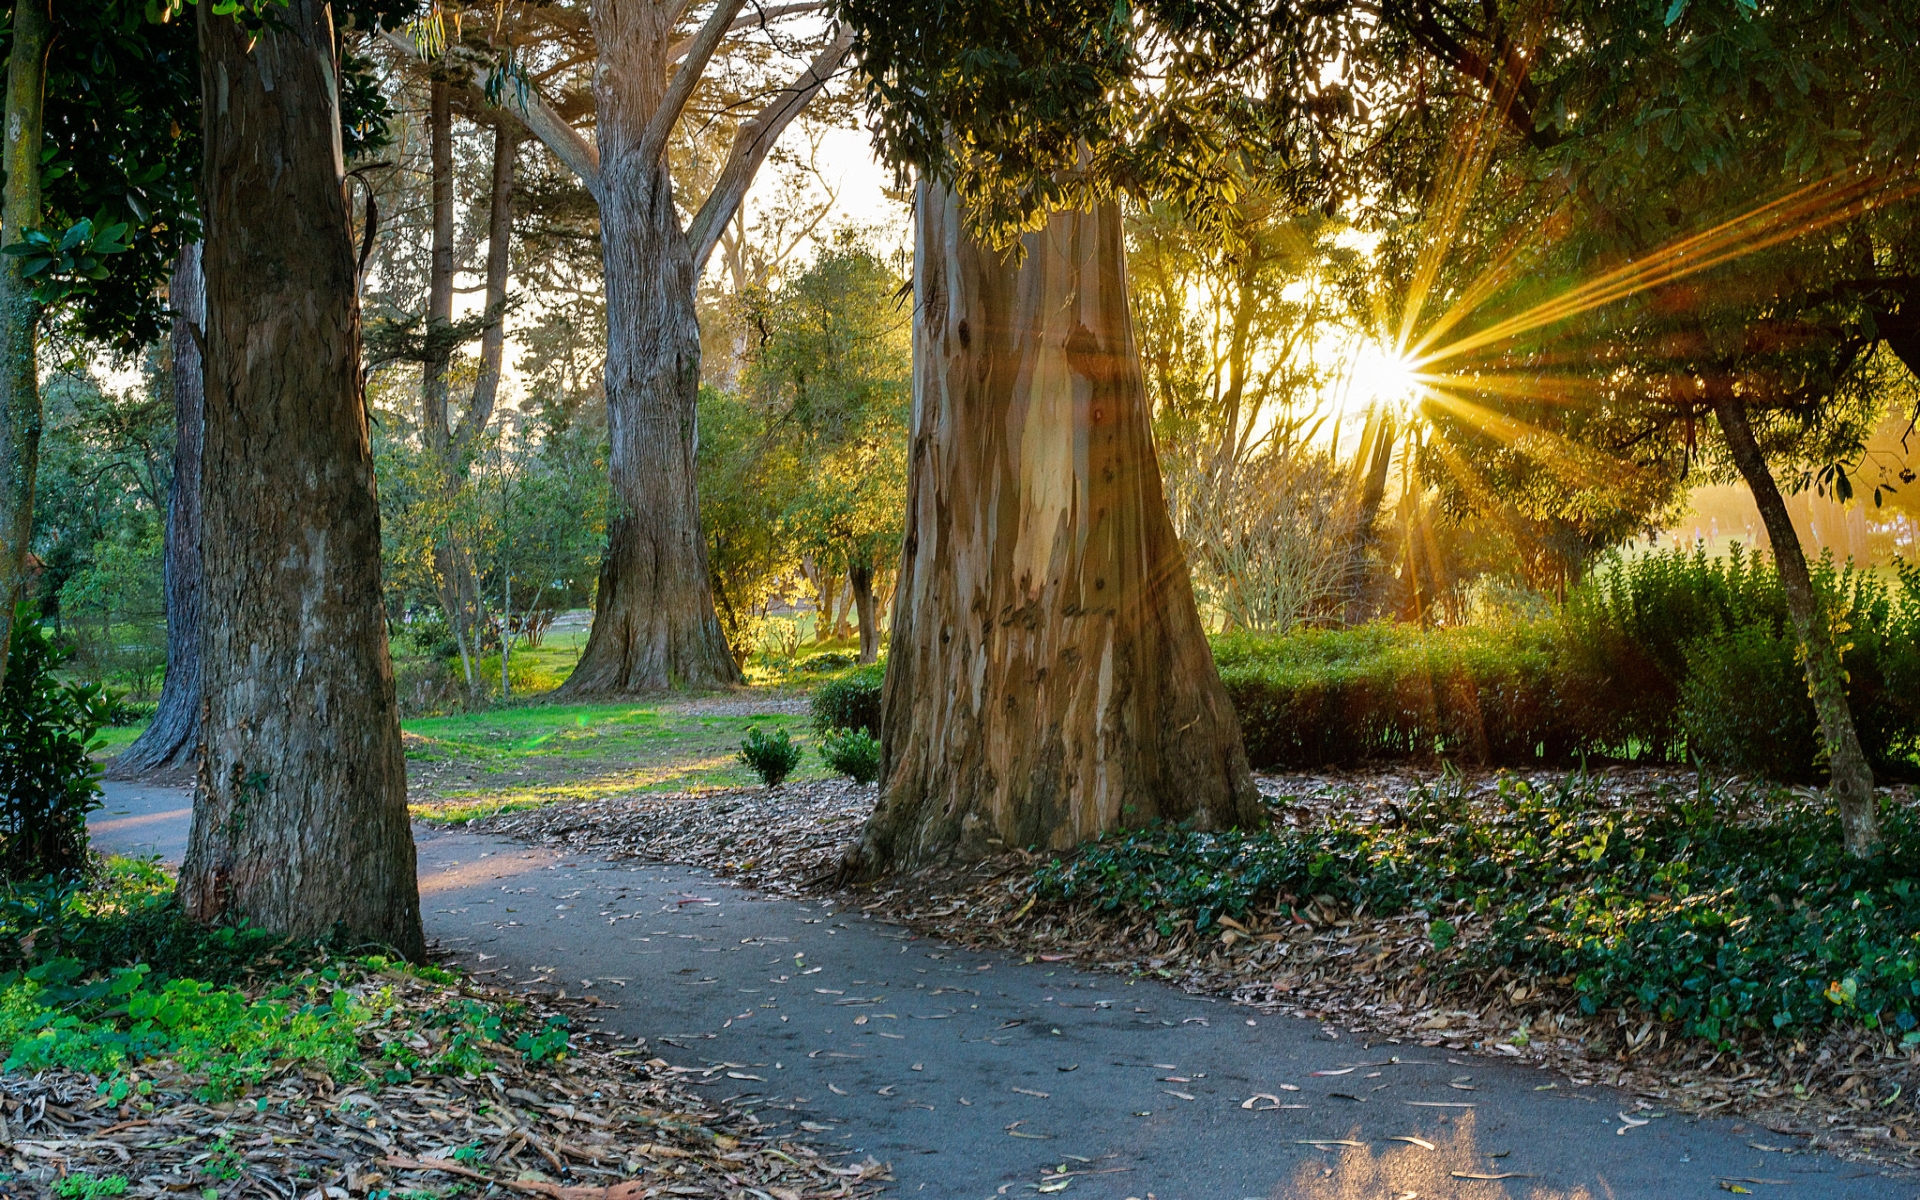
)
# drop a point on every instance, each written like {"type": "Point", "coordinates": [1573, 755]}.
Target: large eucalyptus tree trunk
{"type": "Point", "coordinates": [19, 312]}
{"type": "Point", "coordinates": [300, 816]}
{"type": "Point", "coordinates": [172, 738]}
{"type": "Point", "coordinates": [654, 624]}
{"type": "Point", "coordinates": [1049, 677]}
{"type": "Point", "coordinates": [1850, 775]}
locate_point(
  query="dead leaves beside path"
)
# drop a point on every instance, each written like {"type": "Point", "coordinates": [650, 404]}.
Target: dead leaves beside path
{"type": "Point", "coordinates": [599, 1124]}
{"type": "Point", "coordinates": [1359, 973]}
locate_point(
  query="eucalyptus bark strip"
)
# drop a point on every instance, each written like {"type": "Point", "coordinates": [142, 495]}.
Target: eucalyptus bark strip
{"type": "Point", "coordinates": [172, 738]}
{"type": "Point", "coordinates": [1850, 775]}
{"type": "Point", "coordinates": [300, 816]}
{"type": "Point", "coordinates": [20, 413]}
{"type": "Point", "coordinates": [1049, 677]}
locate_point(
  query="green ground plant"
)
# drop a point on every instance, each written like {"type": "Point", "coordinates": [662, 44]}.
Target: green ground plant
{"type": "Point", "coordinates": [772, 757]}
{"type": "Point", "coordinates": [850, 701]}
{"type": "Point", "coordinates": [104, 978]}
{"type": "Point", "coordinates": [1723, 913]}
{"type": "Point", "coordinates": [854, 753]}
{"type": "Point", "coordinates": [48, 784]}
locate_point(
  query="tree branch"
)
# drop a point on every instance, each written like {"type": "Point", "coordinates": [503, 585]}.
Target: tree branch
{"type": "Point", "coordinates": [760, 18]}
{"type": "Point", "coordinates": [755, 140]}
{"type": "Point", "coordinates": [539, 117]}
{"type": "Point", "coordinates": [653, 142]}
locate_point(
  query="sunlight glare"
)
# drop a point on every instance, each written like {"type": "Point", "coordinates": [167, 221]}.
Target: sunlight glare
{"type": "Point", "coordinates": [1383, 376]}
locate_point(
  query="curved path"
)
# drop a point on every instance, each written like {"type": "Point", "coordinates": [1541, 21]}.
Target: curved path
{"type": "Point", "coordinates": [977, 1076]}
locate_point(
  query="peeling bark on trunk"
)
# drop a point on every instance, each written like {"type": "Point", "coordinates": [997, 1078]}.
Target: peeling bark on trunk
{"type": "Point", "coordinates": [300, 817]}
{"type": "Point", "coordinates": [1851, 777]}
{"type": "Point", "coordinates": [172, 739]}
{"type": "Point", "coordinates": [1049, 677]}
{"type": "Point", "coordinates": [20, 412]}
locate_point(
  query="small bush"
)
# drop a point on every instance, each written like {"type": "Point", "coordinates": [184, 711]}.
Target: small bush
{"type": "Point", "coordinates": [1737, 705]}
{"type": "Point", "coordinates": [48, 785]}
{"type": "Point", "coordinates": [854, 753]}
{"type": "Point", "coordinates": [832, 660]}
{"type": "Point", "coordinates": [850, 702]}
{"type": "Point", "coordinates": [771, 758]}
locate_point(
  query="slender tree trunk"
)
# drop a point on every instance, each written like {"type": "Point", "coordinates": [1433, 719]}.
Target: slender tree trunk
{"type": "Point", "coordinates": [19, 312]}
{"type": "Point", "coordinates": [860, 583]}
{"type": "Point", "coordinates": [654, 624]}
{"type": "Point", "coordinates": [1049, 677]}
{"type": "Point", "coordinates": [486, 389]}
{"type": "Point", "coordinates": [172, 739]}
{"type": "Point", "coordinates": [439, 349]}
{"type": "Point", "coordinates": [1851, 777]}
{"type": "Point", "coordinates": [300, 816]}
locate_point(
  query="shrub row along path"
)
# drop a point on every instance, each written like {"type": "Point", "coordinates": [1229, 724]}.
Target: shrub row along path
{"type": "Point", "coordinates": [982, 1076]}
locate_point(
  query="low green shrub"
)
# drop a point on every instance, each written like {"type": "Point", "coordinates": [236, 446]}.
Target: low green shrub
{"type": "Point", "coordinates": [1679, 912]}
{"type": "Point", "coordinates": [771, 758]}
{"type": "Point", "coordinates": [854, 753]}
{"type": "Point", "coordinates": [831, 660]}
{"type": "Point", "coordinates": [851, 701]}
{"type": "Point", "coordinates": [1666, 658]}
{"type": "Point", "coordinates": [48, 785]}
{"type": "Point", "coordinates": [1736, 705]}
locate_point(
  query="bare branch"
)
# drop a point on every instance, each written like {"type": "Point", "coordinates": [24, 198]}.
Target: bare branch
{"type": "Point", "coordinates": [760, 18]}
{"type": "Point", "coordinates": [533, 111]}
{"type": "Point", "coordinates": [754, 141]}
{"type": "Point", "coordinates": [653, 143]}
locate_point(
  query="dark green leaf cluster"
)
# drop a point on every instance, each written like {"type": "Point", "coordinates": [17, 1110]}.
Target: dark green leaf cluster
{"type": "Point", "coordinates": [1678, 911]}
{"type": "Point", "coordinates": [771, 757]}
{"type": "Point", "coordinates": [854, 753]}
{"type": "Point", "coordinates": [70, 263]}
{"type": "Point", "coordinates": [48, 784]}
{"type": "Point", "coordinates": [851, 701]}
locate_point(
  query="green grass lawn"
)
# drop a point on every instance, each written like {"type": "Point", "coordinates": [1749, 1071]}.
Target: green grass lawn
{"type": "Point", "coordinates": [475, 764]}
{"type": "Point", "coordinates": [509, 758]}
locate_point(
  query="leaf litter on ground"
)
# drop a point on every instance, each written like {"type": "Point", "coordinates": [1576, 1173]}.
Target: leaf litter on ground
{"type": "Point", "coordinates": [595, 1123]}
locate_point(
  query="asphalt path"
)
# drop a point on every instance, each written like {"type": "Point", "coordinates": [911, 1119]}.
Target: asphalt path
{"type": "Point", "coordinates": [977, 1075]}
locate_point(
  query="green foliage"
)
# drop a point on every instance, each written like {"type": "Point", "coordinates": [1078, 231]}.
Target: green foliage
{"type": "Point", "coordinates": [82, 1186]}
{"type": "Point", "coordinates": [1678, 911]}
{"type": "Point", "coordinates": [771, 758]}
{"type": "Point", "coordinates": [851, 701]}
{"type": "Point", "coordinates": [1665, 657]}
{"type": "Point", "coordinates": [67, 263]}
{"type": "Point", "coordinates": [854, 753]}
{"type": "Point", "coordinates": [1731, 705]}
{"type": "Point", "coordinates": [48, 785]}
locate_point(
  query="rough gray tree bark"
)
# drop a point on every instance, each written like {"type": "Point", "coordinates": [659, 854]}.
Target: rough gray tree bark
{"type": "Point", "coordinates": [20, 413]}
{"type": "Point", "coordinates": [300, 815]}
{"type": "Point", "coordinates": [1851, 776]}
{"type": "Point", "coordinates": [1049, 677]}
{"type": "Point", "coordinates": [172, 739]}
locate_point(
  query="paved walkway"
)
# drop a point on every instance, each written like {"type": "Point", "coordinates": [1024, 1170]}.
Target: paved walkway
{"type": "Point", "coordinates": [138, 820]}
{"type": "Point", "coordinates": [979, 1076]}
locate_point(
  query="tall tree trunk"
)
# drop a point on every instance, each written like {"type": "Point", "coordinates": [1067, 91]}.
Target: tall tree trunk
{"type": "Point", "coordinates": [19, 312]}
{"type": "Point", "coordinates": [654, 624]}
{"type": "Point", "coordinates": [486, 389]}
{"type": "Point", "coordinates": [172, 739]}
{"type": "Point", "coordinates": [1851, 777]}
{"type": "Point", "coordinates": [1049, 677]}
{"type": "Point", "coordinates": [860, 583]}
{"type": "Point", "coordinates": [438, 346]}
{"type": "Point", "coordinates": [300, 816]}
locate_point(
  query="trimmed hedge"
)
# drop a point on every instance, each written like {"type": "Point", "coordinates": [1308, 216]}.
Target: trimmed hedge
{"type": "Point", "coordinates": [851, 701]}
{"type": "Point", "coordinates": [1666, 658]}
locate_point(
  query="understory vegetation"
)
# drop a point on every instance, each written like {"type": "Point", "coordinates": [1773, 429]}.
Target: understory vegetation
{"type": "Point", "coordinates": [1720, 912]}
{"type": "Point", "coordinates": [1665, 658]}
